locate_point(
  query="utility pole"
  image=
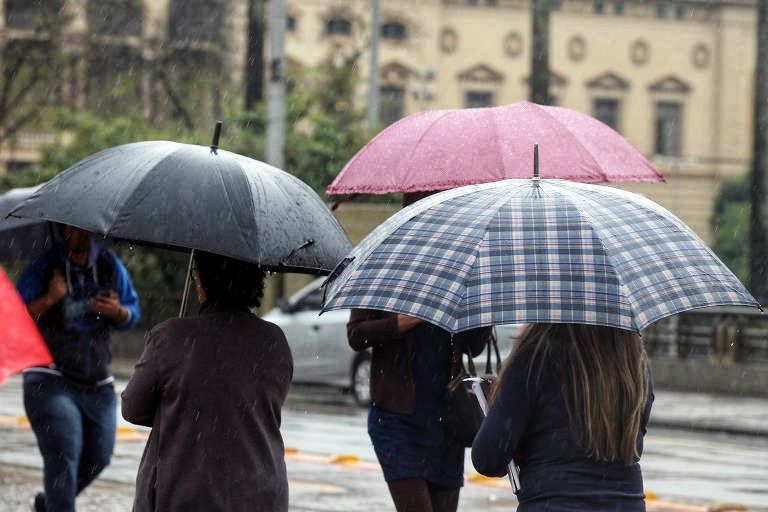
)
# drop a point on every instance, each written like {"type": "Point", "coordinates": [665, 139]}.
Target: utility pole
{"type": "Point", "coordinates": [276, 101]}
{"type": "Point", "coordinates": [373, 78]}
{"type": "Point", "coordinates": [758, 228]}
{"type": "Point", "coordinates": [276, 86]}
{"type": "Point", "coordinates": [540, 51]}
{"type": "Point", "coordinates": [254, 64]}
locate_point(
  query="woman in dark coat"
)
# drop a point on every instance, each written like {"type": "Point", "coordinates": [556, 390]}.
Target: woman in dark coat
{"type": "Point", "coordinates": [212, 388]}
{"type": "Point", "coordinates": [411, 365]}
{"type": "Point", "coordinates": [571, 408]}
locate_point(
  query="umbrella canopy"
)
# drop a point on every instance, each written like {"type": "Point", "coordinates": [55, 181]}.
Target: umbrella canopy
{"type": "Point", "coordinates": [21, 345]}
{"type": "Point", "coordinates": [442, 149]}
{"type": "Point", "coordinates": [21, 238]}
{"type": "Point", "coordinates": [527, 251]}
{"type": "Point", "coordinates": [187, 196]}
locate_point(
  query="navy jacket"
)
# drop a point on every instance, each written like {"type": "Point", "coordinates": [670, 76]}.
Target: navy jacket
{"type": "Point", "coordinates": [529, 422]}
{"type": "Point", "coordinates": [77, 338]}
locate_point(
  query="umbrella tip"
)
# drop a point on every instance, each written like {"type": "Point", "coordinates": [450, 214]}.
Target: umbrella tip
{"type": "Point", "coordinates": [216, 136]}
{"type": "Point", "coordinates": [536, 162]}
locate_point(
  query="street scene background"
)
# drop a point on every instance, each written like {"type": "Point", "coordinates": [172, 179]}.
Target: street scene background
{"type": "Point", "coordinates": [677, 79]}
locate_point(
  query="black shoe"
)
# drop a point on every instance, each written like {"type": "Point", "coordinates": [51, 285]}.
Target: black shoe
{"type": "Point", "coordinates": [40, 502]}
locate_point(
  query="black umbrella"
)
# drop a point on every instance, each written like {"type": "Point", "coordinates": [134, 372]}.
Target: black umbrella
{"type": "Point", "coordinates": [21, 238]}
{"type": "Point", "coordinates": [186, 196]}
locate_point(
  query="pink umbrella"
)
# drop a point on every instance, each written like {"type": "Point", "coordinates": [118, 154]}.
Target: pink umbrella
{"type": "Point", "coordinates": [21, 345]}
{"type": "Point", "coordinates": [441, 149]}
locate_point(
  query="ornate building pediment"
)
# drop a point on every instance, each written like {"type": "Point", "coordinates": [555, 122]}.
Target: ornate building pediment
{"type": "Point", "coordinates": [481, 73]}
{"type": "Point", "coordinates": [608, 81]}
{"type": "Point", "coordinates": [670, 84]}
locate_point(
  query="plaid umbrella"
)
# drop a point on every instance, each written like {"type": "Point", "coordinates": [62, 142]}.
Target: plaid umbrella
{"type": "Point", "coordinates": [527, 251]}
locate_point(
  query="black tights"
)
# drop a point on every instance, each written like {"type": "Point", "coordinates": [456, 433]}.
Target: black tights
{"type": "Point", "coordinates": [417, 495]}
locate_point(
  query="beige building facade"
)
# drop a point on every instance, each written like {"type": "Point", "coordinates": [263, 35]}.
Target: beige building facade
{"type": "Point", "coordinates": [674, 77]}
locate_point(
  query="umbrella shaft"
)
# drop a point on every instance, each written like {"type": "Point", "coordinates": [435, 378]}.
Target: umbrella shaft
{"type": "Point", "coordinates": [187, 285]}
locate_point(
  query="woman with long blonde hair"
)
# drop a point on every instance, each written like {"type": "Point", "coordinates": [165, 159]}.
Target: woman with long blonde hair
{"type": "Point", "coordinates": [571, 406]}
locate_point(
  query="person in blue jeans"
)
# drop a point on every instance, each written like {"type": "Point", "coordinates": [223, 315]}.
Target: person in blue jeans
{"type": "Point", "coordinates": [77, 292]}
{"type": "Point", "coordinates": [571, 407]}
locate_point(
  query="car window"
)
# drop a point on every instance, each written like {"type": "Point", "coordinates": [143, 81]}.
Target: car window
{"type": "Point", "coordinates": [312, 301]}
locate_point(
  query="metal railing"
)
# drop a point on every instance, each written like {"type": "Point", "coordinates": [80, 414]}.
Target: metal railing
{"type": "Point", "coordinates": [723, 335]}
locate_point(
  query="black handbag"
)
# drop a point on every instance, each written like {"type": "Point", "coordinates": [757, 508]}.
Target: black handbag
{"type": "Point", "coordinates": [462, 415]}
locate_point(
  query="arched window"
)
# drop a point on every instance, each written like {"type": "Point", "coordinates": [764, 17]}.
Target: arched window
{"type": "Point", "coordinates": [338, 26]}
{"type": "Point", "coordinates": [393, 30]}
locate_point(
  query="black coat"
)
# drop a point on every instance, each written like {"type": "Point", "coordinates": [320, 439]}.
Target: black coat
{"type": "Point", "coordinates": [529, 420]}
{"type": "Point", "coordinates": [212, 388]}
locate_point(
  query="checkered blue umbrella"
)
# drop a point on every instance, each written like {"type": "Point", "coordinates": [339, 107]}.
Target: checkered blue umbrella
{"type": "Point", "coordinates": [532, 251]}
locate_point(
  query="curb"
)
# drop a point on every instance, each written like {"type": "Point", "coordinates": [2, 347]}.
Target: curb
{"type": "Point", "coordinates": [708, 429]}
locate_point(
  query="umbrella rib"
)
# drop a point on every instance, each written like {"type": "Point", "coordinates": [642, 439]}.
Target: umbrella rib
{"type": "Point", "coordinates": [415, 146]}
{"type": "Point", "coordinates": [576, 139]}
{"type": "Point", "coordinates": [593, 226]}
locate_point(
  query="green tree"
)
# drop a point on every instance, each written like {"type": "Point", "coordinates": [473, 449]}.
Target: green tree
{"type": "Point", "coordinates": [730, 225]}
{"type": "Point", "coordinates": [32, 66]}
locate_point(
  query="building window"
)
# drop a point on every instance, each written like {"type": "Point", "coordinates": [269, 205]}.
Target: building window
{"type": "Point", "coordinates": [195, 20]}
{"type": "Point", "coordinates": [392, 104]}
{"type": "Point", "coordinates": [31, 14]}
{"type": "Point", "coordinates": [492, 3]}
{"type": "Point", "coordinates": [618, 8]}
{"type": "Point", "coordinates": [477, 99]}
{"type": "Point", "coordinates": [393, 30]}
{"type": "Point", "coordinates": [17, 166]}
{"type": "Point", "coordinates": [668, 128]}
{"type": "Point", "coordinates": [338, 27]}
{"type": "Point", "coordinates": [555, 5]}
{"type": "Point", "coordinates": [113, 84]}
{"type": "Point", "coordinates": [680, 12]}
{"type": "Point", "coordinates": [598, 7]}
{"type": "Point", "coordinates": [114, 17]}
{"type": "Point", "coordinates": [607, 111]}
{"type": "Point", "coordinates": [290, 23]}
{"type": "Point", "coordinates": [661, 11]}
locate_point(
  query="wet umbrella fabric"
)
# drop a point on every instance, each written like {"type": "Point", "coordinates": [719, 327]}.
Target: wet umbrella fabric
{"type": "Point", "coordinates": [21, 344]}
{"type": "Point", "coordinates": [526, 251]}
{"type": "Point", "coordinates": [21, 238]}
{"type": "Point", "coordinates": [442, 149]}
{"type": "Point", "coordinates": [187, 196]}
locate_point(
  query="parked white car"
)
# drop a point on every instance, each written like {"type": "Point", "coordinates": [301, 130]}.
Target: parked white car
{"type": "Point", "coordinates": [321, 354]}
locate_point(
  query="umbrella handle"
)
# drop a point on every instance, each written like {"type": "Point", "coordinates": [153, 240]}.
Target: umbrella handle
{"type": "Point", "coordinates": [477, 389]}
{"type": "Point", "coordinates": [187, 285]}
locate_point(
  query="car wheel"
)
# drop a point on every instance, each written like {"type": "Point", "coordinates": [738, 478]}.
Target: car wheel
{"type": "Point", "coordinates": [361, 376]}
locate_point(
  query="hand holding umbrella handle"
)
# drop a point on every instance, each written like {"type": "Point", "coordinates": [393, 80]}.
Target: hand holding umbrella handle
{"type": "Point", "coordinates": [477, 389]}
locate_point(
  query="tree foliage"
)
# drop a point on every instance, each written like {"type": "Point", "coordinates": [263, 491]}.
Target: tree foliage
{"type": "Point", "coordinates": [323, 131]}
{"type": "Point", "coordinates": [730, 226]}
{"type": "Point", "coordinates": [32, 63]}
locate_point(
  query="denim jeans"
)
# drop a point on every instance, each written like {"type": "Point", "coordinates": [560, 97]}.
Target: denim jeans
{"type": "Point", "coordinates": [75, 429]}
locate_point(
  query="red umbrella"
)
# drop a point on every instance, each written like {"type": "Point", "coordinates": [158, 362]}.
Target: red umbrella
{"type": "Point", "coordinates": [21, 345]}
{"type": "Point", "coordinates": [441, 149]}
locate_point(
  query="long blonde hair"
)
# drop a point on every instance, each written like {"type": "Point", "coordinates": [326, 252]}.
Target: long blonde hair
{"type": "Point", "coordinates": [604, 371]}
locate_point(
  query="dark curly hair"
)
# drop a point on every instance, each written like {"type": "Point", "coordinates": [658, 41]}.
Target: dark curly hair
{"type": "Point", "coordinates": [230, 281]}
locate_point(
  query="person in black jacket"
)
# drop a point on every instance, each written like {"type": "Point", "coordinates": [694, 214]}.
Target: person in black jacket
{"type": "Point", "coordinates": [571, 407]}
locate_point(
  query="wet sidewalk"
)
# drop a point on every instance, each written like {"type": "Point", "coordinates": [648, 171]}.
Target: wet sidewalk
{"type": "Point", "coordinates": [699, 412]}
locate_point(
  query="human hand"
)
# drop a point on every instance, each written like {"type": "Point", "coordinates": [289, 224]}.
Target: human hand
{"type": "Point", "coordinates": [57, 287]}
{"type": "Point", "coordinates": [405, 322]}
{"type": "Point", "coordinates": [109, 306]}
